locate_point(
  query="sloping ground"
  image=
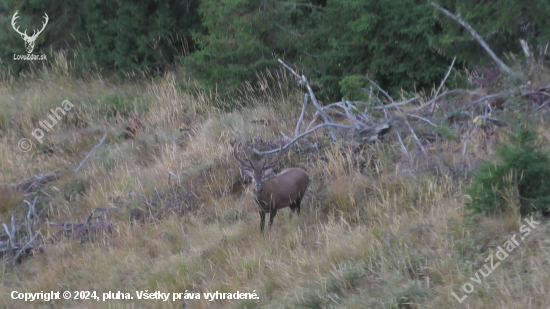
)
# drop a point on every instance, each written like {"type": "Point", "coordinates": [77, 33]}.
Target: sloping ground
{"type": "Point", "coordinates": [375, 231]}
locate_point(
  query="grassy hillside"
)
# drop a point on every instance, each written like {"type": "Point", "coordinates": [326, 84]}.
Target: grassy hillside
{"type": "Point", "coordinates": [376, 230]}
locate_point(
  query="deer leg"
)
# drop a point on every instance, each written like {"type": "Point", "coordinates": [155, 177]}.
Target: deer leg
{"type": "Point", "coordinates": [262, 221]}
{"type": "Point", "coordinates": [272, 215]}
{"type": "Point", "coordinates": [292, 209]}
{"type": "Point", "coordinates": [297, 203]}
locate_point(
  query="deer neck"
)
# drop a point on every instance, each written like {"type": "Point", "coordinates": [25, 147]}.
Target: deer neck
{"type": "Point", "coordinates": [261, 197]}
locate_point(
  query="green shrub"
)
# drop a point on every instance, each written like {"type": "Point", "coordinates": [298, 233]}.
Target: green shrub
{"type": "Point", "coordinates": [523, 165]}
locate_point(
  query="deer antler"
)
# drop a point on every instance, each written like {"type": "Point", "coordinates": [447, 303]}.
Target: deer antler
{"type": "Point", "coordinates": [248, 164]}
{"type": "Point", "coordinates": [274, 162]}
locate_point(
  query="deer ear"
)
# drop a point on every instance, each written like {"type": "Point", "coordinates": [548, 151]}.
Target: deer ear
{"type": "Point", "coordinates": [268, 171]}
{"type": "Point", "coordinates": [249, 173]}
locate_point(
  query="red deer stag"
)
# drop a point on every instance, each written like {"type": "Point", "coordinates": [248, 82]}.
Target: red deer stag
{"type": "Point", "coordinates": [271, 194]}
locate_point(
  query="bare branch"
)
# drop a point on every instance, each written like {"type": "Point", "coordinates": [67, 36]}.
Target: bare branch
{"type": "Point", "coordinates": [498, 120]}
{"type": "Point", "coordinates": [503, 93]}
{"type": "Point", "coordinates": [441, 85]}
{"type": "Point", "coordinates": [339, 103]}
{"type": "Point", "coordinates": [543, 105]}
{"type": "Point", "coordinates": [403, 148]}
{"type": "Point", "coordinates": [103, 210]}
{"type": "Point", "coordinates": [529, 56]}
{"type": "Point", "coordinates": [387, 106]}
{"type": "Point", "coordinates": [422, 118]}
{"type": "Point", "coordinates": [12, 237]}
{"type": "Point", "coordinates": [172, 174]}
{"type": "Point", "coordinates": [312, 121]}
{"type": "Point", "coordinates": [378, 87]}
{"type": "Point", "coordinates": [297, 131]}
{"type": "Point", "coordinates": [303, 80]}
{"type": "Point", "coordinates": [55, 223]}
{"type": "Point", "coordinates": [29, 215]}
{"type": "Point", "coordinates": [414, 135]}
{"type": "Point", "coordinates": [13, 227]}
{"type": "Point", "coordinates": [441, 96]}
{"type": "Point", "coordinates": [89, 154]}
{"type": "Point", "coordinates": [387, 118]}
{"type": "Point", "coordinates": [29, 183]}
{"type": "Point", "coordinates": [32, 210]}
{"type": "Point", "coordinates": [365, 118]}
{"type": "Point", "coordinates": [300, 136]}
{"type": "Point", "coordinates": [478, 38]}
{"type": "Point", "coordinates": [346, 106]}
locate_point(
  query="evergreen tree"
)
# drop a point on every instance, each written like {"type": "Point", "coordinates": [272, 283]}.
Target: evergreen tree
{"type": "Point", "coordinates": [501, 23]}
{"type": "Point", "coordinates": [523, 164]}
{"type": "Point", "coordinates": [245, 37]}
{"type": "Point", "coordinates": [388, 39]}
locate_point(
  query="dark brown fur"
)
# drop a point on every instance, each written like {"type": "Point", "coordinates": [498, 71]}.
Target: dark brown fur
{"type": "Point", "coordinates": [288, 188]}
{"type": "Point", "coordinates": [285, 189]}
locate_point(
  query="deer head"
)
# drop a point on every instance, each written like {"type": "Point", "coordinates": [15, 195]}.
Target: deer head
{"type": "Point", "coordinates": [287, 189]}
{"type": "Point", "coordinates": [29, 40]}
{"type": "Point", "coordinates": [257, 170]}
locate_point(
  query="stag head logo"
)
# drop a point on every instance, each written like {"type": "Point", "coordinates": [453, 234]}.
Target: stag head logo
{"type": "Point", "coordinates": [29, 40]}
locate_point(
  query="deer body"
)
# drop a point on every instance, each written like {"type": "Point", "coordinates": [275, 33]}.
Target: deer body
{"type": "Point", "coordinates": [287, 189]}
{"type": "Point", "coordinates": [280, 191]}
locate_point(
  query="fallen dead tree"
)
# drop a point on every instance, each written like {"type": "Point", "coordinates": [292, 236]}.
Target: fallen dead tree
{"type": "Point", "coordinates": [358, 119]}
{"type": "Point", "coordinates": [38, 180]}
{"type": "Point", "coordinates": [357, 116]}
{"type": "Point", "coordinates": [13, 243]}
{"type": "Point", "coordinates": [87, 229]}
{"type": "Point", "coordinates": [34, 181]}
{"type": "Point", "coordinates": [20, 238]}
{"type": "Point", "coordinates": [364, 129]}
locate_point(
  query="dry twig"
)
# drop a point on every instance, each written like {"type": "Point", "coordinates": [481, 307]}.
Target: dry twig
{"type": "Point", "coordinates": [90, 153]}
{"type": "Point", "coordinates": [297, 131]}
{"type": "Point", "coordinates": [303, 81]}
{"type": "Point", "coordinates": [442, 83]}
{"type": "Point", "coordinates": [39, 179]}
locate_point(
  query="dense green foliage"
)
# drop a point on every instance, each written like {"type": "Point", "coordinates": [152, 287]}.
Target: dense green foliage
{"type": "Point", "coordinates": [114, 35]}
{"type": "Point", "coordinates": [387, 39]}
{"type": "Point", "coordinates": [400, 43]}
{"type": "Point", "coordinates": [244, 38]}
{"type": "Point", "coordinates": [501, 23]}
{"type": "Point", "coordinates": [523, 164]}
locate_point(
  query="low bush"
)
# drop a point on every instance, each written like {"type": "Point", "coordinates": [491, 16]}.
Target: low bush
{"type": "Point", "coordinates": [524, 165]}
